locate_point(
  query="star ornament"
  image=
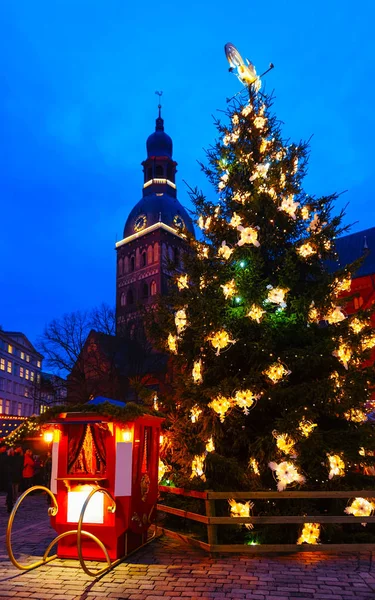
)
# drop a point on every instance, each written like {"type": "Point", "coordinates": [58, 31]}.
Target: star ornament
{"type": "Point", "coordinates": [235, 220]}
{"type": "Point", "coordinates": [336, 466]}
{"type": "Point", "coordinates": [225, 251]}
{"type": "Point", "coordinates": [245, 399]}
{"type": "Point", "coordinates": [229, 289]}
{"type": "Point", "coordinates": [180, 320]}
{"type": "Point", "coordinates": [276, 372]}
{"type": "Point", "coordinates": [220, 340]}
{"type": "Point", "coordinates": [335, 315]}
{"type": "Point", "coordinates": [182, 282]}
{"type": "Point", "coordinates": [256, 313]}
{"type": "Point", "coordinates": [361, 507]}
{"type": "Point", "coordinates": [197, 372]}
{"type": "Point", "coordinates": [241, 509]}
{"type": "Point", "coordinates": [220, 406]}
{"type": "Point", "coordinates": [310, 534]}
{"type": "Point", "coordinates": [172, 343]}
{"type": "Point", "coordinates": [306, 250]}
{"type": "Point", "coordinates": [286, 473]}
{"type": "Point", "coordinates": [248, 235]}
{"type": "Point", "coordinates": [277, 295]}
{"type": "Point", "coordinates": [343, 353]}
{"type": "Point", "coordinates": [289, 206]}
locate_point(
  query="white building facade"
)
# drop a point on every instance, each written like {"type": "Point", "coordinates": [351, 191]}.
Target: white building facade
{"type": "Point", "coordinates": [20, 375]}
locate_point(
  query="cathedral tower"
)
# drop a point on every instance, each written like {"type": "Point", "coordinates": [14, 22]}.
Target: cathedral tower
{"type": "Point", "coordinates": [151, 232]}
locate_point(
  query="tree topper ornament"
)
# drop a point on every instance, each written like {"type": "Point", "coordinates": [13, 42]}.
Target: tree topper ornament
{"type": "Point", "coordinates": [246, 72]}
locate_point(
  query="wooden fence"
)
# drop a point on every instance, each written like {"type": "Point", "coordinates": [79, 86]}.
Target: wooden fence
{"type": "Point", "coordinates": [212, 521]}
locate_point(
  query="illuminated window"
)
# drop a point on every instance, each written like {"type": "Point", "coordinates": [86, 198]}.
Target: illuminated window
{"type": "Point", "coordinates": [19, 409]}
{"type": "Point", "coordinates": [38, 364]}
{"type": "Point", "coordinates": [23, 355]}
{"type": "Point", "coordinates": [2, 364]}
{"type": "Point", "coordinates": [27, 374]}
{"type": "Point", "coordinates": [150, 255]}
{"type": "Point", "coordinates": [10, 349]}
{"type": "Point", "coordinates": [358, 302]}
{"type": "Point", "coordinates": [9, 366]}
{"type": "Point", "coordinates": [31, 375]}
{"type": "Point", "coordinates": [7, 407]}
{"type": "Point", "coordinates": [21, 371]}
{"type": "Point", "coordinates": [38, 378]}
{"type": "Point", "coordinates": [26, 392]}
{"type": "Point", "coordinates": [123, 299]}
{"type": "Point", "coordinates": [27, 357]}
{"type": "Point", "coordinates": [1, 406]}
{"type": "Point", "coordinates": [153, 288]}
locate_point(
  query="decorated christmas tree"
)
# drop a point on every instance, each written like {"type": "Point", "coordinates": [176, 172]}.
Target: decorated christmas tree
{"type": "Point", "coordinates": [270, 386]}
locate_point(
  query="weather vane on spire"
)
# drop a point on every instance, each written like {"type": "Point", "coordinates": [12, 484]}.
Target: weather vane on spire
{"type": "Point", "coordinates": [159, 105]}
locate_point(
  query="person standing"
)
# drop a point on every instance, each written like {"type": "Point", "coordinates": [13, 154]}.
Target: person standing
{"type": "Point", "coordinates": [14, 468]}
{"type": "Point", "coordinates": [28, 469]}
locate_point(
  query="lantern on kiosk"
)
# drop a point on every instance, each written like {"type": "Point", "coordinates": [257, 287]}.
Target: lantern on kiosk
{"type": "Point", "coordinates": [112, 466]}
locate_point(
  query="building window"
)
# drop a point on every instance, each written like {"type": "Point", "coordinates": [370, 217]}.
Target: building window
{"type": "Point", "coordinates": [37, 378]}
{"type": "Point", "coordinates": [130, 297]}
{"type": "Point", "coordinates": [150, 255]}
{"type": "Point", "coordinates": [23, 355]}
{"type": "Point", "coordinates": [10, 349]}
{"type": "Point", "coordinates": [145, 290]}
{"type": "Point", "coordinates": [14, 387]}
{"type": "Point", "coordinates": [38, 364]}
{"type": "Point", "coordinates": [27, 357]}
{"type": "Point", "coordinates": [26, 392]}
{"type": "Point", "coordinates": [120, 266]}
{"type": "Point", "coordinates": [31, 375]}
{"type": "Point", "coordinates": [27, 374]}
{"type": "Point", "coordinates": [9, 386]}
{"type": "Point", "coordinates": [7, 407]}
{"type": "Point", "coordinates": [19, 409]}
{"type": "Point", "coordinates": [123, 299]}
{"type": "Point", "coordinates": [2, 364]}
{"type": "Point", "coordinates": [144, 259]}
{"type": "Point", "coordinates": [132, 263]}
{"type": "Point", "coordinates": [2, 384]}
{"type": "Point", "coordinates": [21, 371]}
{"type": "Point", "coordinates": [153, 288]}
{"type": "Point", "coordinates": [1, 406]}
{"type": "Point", "coordinates": [9, 366]}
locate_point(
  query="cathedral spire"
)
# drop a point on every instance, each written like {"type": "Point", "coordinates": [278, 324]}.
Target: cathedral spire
{"type": "Point", "coordinates": [159, 120]}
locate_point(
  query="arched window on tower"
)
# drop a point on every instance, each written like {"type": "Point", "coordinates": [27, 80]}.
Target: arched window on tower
{"type": "Point", "coordinates": [159, 171]}
{"type": "Point", "coordinates": [150, 258]}
{"type": "Point", "coordinates": [153, 288]}
{"type": "Point", "coordinates": [120, 266]}
{"type": "Point", "coordinates": [132, 263]}
{"type": "Point", "coordinates": [130, 297]}
{"type": "Point", "coordinates": [126, 265]}
{"type": "Point", "coordinates": [156, 251]}
{"type": "Point", "coordinates": [123, 299]}
{"type": "Point", "coordinates": [144, 290]}
{"type": "Point", "coordinates": [176, 257]}
{"type": "Point", "coordinates": [144, 259]}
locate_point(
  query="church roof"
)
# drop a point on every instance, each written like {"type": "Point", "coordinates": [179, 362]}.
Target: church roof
{"type": "Point", "coordinates": [158, 208]}
{"type": "Point", "coordinates": [354, 246]}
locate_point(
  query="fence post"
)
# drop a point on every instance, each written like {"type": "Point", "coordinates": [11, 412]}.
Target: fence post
{"type": "Point", "coordinates": [211, 529]}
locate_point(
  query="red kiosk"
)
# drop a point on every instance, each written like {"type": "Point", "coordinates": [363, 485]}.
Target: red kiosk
{"type": "Point", "coordinates": [109, 468]}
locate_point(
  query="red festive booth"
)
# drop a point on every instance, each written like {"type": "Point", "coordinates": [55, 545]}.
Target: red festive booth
{"type": "Point", "coordinates": [118, 458]}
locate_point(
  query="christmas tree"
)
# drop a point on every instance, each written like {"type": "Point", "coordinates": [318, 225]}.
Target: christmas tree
{"type": "Point", "coordinates": [269, 385]}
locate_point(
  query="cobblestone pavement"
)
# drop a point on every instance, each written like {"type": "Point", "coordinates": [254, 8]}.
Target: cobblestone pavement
{"type": "Point", "coordinates": [168, 569]}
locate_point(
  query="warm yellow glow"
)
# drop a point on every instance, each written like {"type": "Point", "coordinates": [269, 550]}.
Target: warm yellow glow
{"type": "Point", "coordinates": [305, 212]}
{"type": "Point", "coordinates": [310, 534]}
{"type": "Point", "coordinates": [253, 464]}
{"type": "Point", "coordinates": [95, 509]}
{"type": "Point", "coordinates": [264, 145]}
{"type": "Point", "coordinates": [277, 295]}
{"type": "Point", "coordinates": [357, 325]}
{"type": "Point", "coordinates": [284, 443]}
{"type": "Point", "coordinates": [327, 244]}
{"type": "Point", "coordinates": [202, 282]}
{"type": "Point", "coordinates": [259, 122]}
{"type": "Point", "coordinates": [337, 380]}
{"type": "Point", "coordinates": [361, 507]}
{"type": "Point", "coordinates": [313, 314]}
{"type": "Point", "coordinates": [229, 289]}
{"type": "Point", "coordinates": [235, 220]}
{"type": "Point", "coordinates": [167, 181]}
{"type": "Point", "coordinates": [306, 427]}
{"type": "Point", "coordinates": [306, 250]}
{"type": "Point", "coordinates": [368, 342]}
{"type": "Point", "coordinates": [240, 509]}
{"type": "Point", "coordinates": [127, 435]}
{"type": "Point", "coordinates": [161, 439]}
{"type": "Point", "coordinates": [286, 473]}
{"type": "Point", "coordinates": [256, 313]}
{"type": "Point", "coordinates": [246, 110]}
{"type": "Point", "coordinates": [289, 206]}
{"type": "Point", "coordinates": [225, 251]}
{"type": "Point", "coordinates": [156, 403]}
{"type": "Point", "coordinates": [220, 340]}
{"type": "Point", "coordinates": [194, 413]}
{"type": "Point", "coordinates": [48, 436]}
{"type": "Point", "coordinates": [241, 197]}
{"type": "Point", "coordinates": [223, 180]}
{"type": "Point", "coordinates": [221, 405]}
{"type": "Point", "coordinates": [162, 469]}
{"type": "Point", "coordinates": [210, 447]}
{"type": "Point", "coordinates": [276, 372]}
{"type": "Point", "coordinates": [245, 399]}
{"type": "Point", "coordinates": [202, 250]}
{"type": "Point", "coordinates": [343, 353]}
{"type": "Point", "coordinates": [335, 315]}
{"type": "Point", "coordinates": [248, 235]}
{"type": "Point", "coordinates": [355, 415]}
{"type": "Point", "coordinates": [197, 372]}
{"type": "Point", "coordinates": [342, 285]}
{"type": "Point", "coordinates": [204, 223]}
{"type": "Point", "coordinates": [197, 467]}
{"type": "Point", "coordinates": [172, 343]}
{"type": "Point", "coordinates": [182, 282]}
{"type": "Point", "coordinates": [180, 320]}
{"type": "Point", "coordinates": [336, 466]}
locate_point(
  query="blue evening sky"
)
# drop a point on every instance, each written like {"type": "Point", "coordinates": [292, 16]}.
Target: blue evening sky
{"type": "Point", "coordinates": [77, 102]}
